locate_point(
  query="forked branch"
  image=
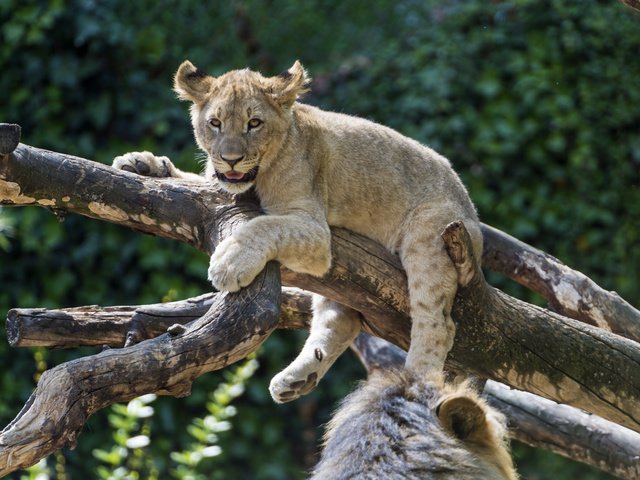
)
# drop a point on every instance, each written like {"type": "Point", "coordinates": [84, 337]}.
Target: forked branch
{"type": "Point", "coordinates": [234, 326]}
{"type": "Point", "coordinates": [532, 420]}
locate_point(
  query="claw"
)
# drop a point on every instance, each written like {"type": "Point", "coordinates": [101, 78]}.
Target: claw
{"type": "Point", "coordinates": [142, 167]}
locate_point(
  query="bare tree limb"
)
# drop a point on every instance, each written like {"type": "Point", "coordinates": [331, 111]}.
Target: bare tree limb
{"type": "Point", "coordinates": [567, 431]}
{"type": "Point", "coordinates": [569, 292]}
{"type": "Point", "coordinates": [585, 369]}
{"type": "Point", "coordinates": [634, 4]}
{"type": "Point", "coordinates": [95, 326]}
{"type": "Point", "coordinates": [114, 327]}
{"type": "Point", "coordinates": [234, 326]}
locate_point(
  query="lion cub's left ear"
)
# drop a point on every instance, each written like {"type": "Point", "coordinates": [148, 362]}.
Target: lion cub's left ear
{"type": "Point", "coordinates": [287, 87]}
{"type": "Point", "coordinates": [192, 84]}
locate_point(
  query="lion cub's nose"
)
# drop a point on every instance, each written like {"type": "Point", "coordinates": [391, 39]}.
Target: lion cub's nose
{"type": "Point", "coordinates": [231, 158]}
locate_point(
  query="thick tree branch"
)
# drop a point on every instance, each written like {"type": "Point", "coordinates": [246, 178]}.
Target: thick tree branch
{"type": "Point", "coordinates": [587, 368]}
{"type": "Point", "coordinates": [498, 337]}
{"type": "Point", "coordinates": [115, 327]}
{"type": "Point", "coordinates": [568, 431]}
{"type": "Point", "coordinates": [634, 4]}
{"type": "Point", "coordinates": [234, 326]}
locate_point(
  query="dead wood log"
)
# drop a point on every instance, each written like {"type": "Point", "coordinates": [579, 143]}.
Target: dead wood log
{"type": "Point", "coordinates": [498, 337]}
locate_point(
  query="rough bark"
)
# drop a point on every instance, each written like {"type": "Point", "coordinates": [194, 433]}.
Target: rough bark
{"type": "Point", "coordinates": [532, 349]}
{"type": "Point", "coordinates": [568, 431]}
{"type": "Point", "coordinates": [69, 393]}
{"type": "Point", "coordinates": [119, 326]}
{"type": "Point", "coordinates": [498, 337]}
{"type": "Point", "coordinates": [634, 4]}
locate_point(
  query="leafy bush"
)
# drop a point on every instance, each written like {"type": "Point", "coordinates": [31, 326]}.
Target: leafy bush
{"type": "Point", "coordinates": [131, 456]}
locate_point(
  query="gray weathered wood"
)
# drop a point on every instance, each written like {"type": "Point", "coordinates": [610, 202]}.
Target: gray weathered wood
{"type": "Point", "coordinates": [9, 137]}
{"type": "Point", "coordinates": [68, 394]}
{"type": "Point", "coordinates": [568, 431]}
{"type": "Point", "coordinates": [114, 327]}
{"type": "Point", "coordinates": [569, 292]}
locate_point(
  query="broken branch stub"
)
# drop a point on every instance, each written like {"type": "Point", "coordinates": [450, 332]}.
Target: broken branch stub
{"type": "Point", "coordinates": [9, 137]}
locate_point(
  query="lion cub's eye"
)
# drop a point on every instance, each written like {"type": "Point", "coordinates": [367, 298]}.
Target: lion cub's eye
{"type": "Point", "coordinates": [215, 123]}
{"type": "Point", "coordinates": [254, 123]}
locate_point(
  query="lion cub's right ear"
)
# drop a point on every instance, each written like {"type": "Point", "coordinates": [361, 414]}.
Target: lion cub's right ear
{"type": "Point", "coordinates": [192, 84]}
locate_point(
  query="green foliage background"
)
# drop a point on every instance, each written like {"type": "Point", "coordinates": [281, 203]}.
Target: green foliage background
{"type": "Point", "coordinates": [536, 104]}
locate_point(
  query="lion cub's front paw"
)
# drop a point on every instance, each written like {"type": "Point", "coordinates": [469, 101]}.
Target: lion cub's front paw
{"type": "Point", "coordinates": [144, 163]}
{"type": "Point", "coordinates": [234, 265]}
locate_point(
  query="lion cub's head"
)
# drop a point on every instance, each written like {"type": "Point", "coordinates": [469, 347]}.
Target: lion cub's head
{"type": "Point", "coordinates": [240, 119]}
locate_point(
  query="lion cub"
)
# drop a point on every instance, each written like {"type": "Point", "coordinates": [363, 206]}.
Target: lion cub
{"type": "Point", "coordinates": [313, 169]}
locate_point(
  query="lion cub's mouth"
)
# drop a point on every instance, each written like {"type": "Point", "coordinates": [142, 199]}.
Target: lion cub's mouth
{"type": "Point", "coordinates": [232, 176]}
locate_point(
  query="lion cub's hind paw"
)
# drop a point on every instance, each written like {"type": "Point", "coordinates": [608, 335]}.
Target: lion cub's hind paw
{"type": "Point", "coordinates": [144, 163]}
{"type": "Point", "coordinates": [285, 387]}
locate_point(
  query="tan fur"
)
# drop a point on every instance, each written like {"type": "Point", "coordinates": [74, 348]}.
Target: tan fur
{"type": "Point", "coordinates": [312, 169]}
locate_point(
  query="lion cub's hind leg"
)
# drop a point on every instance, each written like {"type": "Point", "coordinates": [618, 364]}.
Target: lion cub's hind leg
{"type": "Point", "coordinates": [333, 328]}
{"type": "Point", "coordinates": [432, 280]}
